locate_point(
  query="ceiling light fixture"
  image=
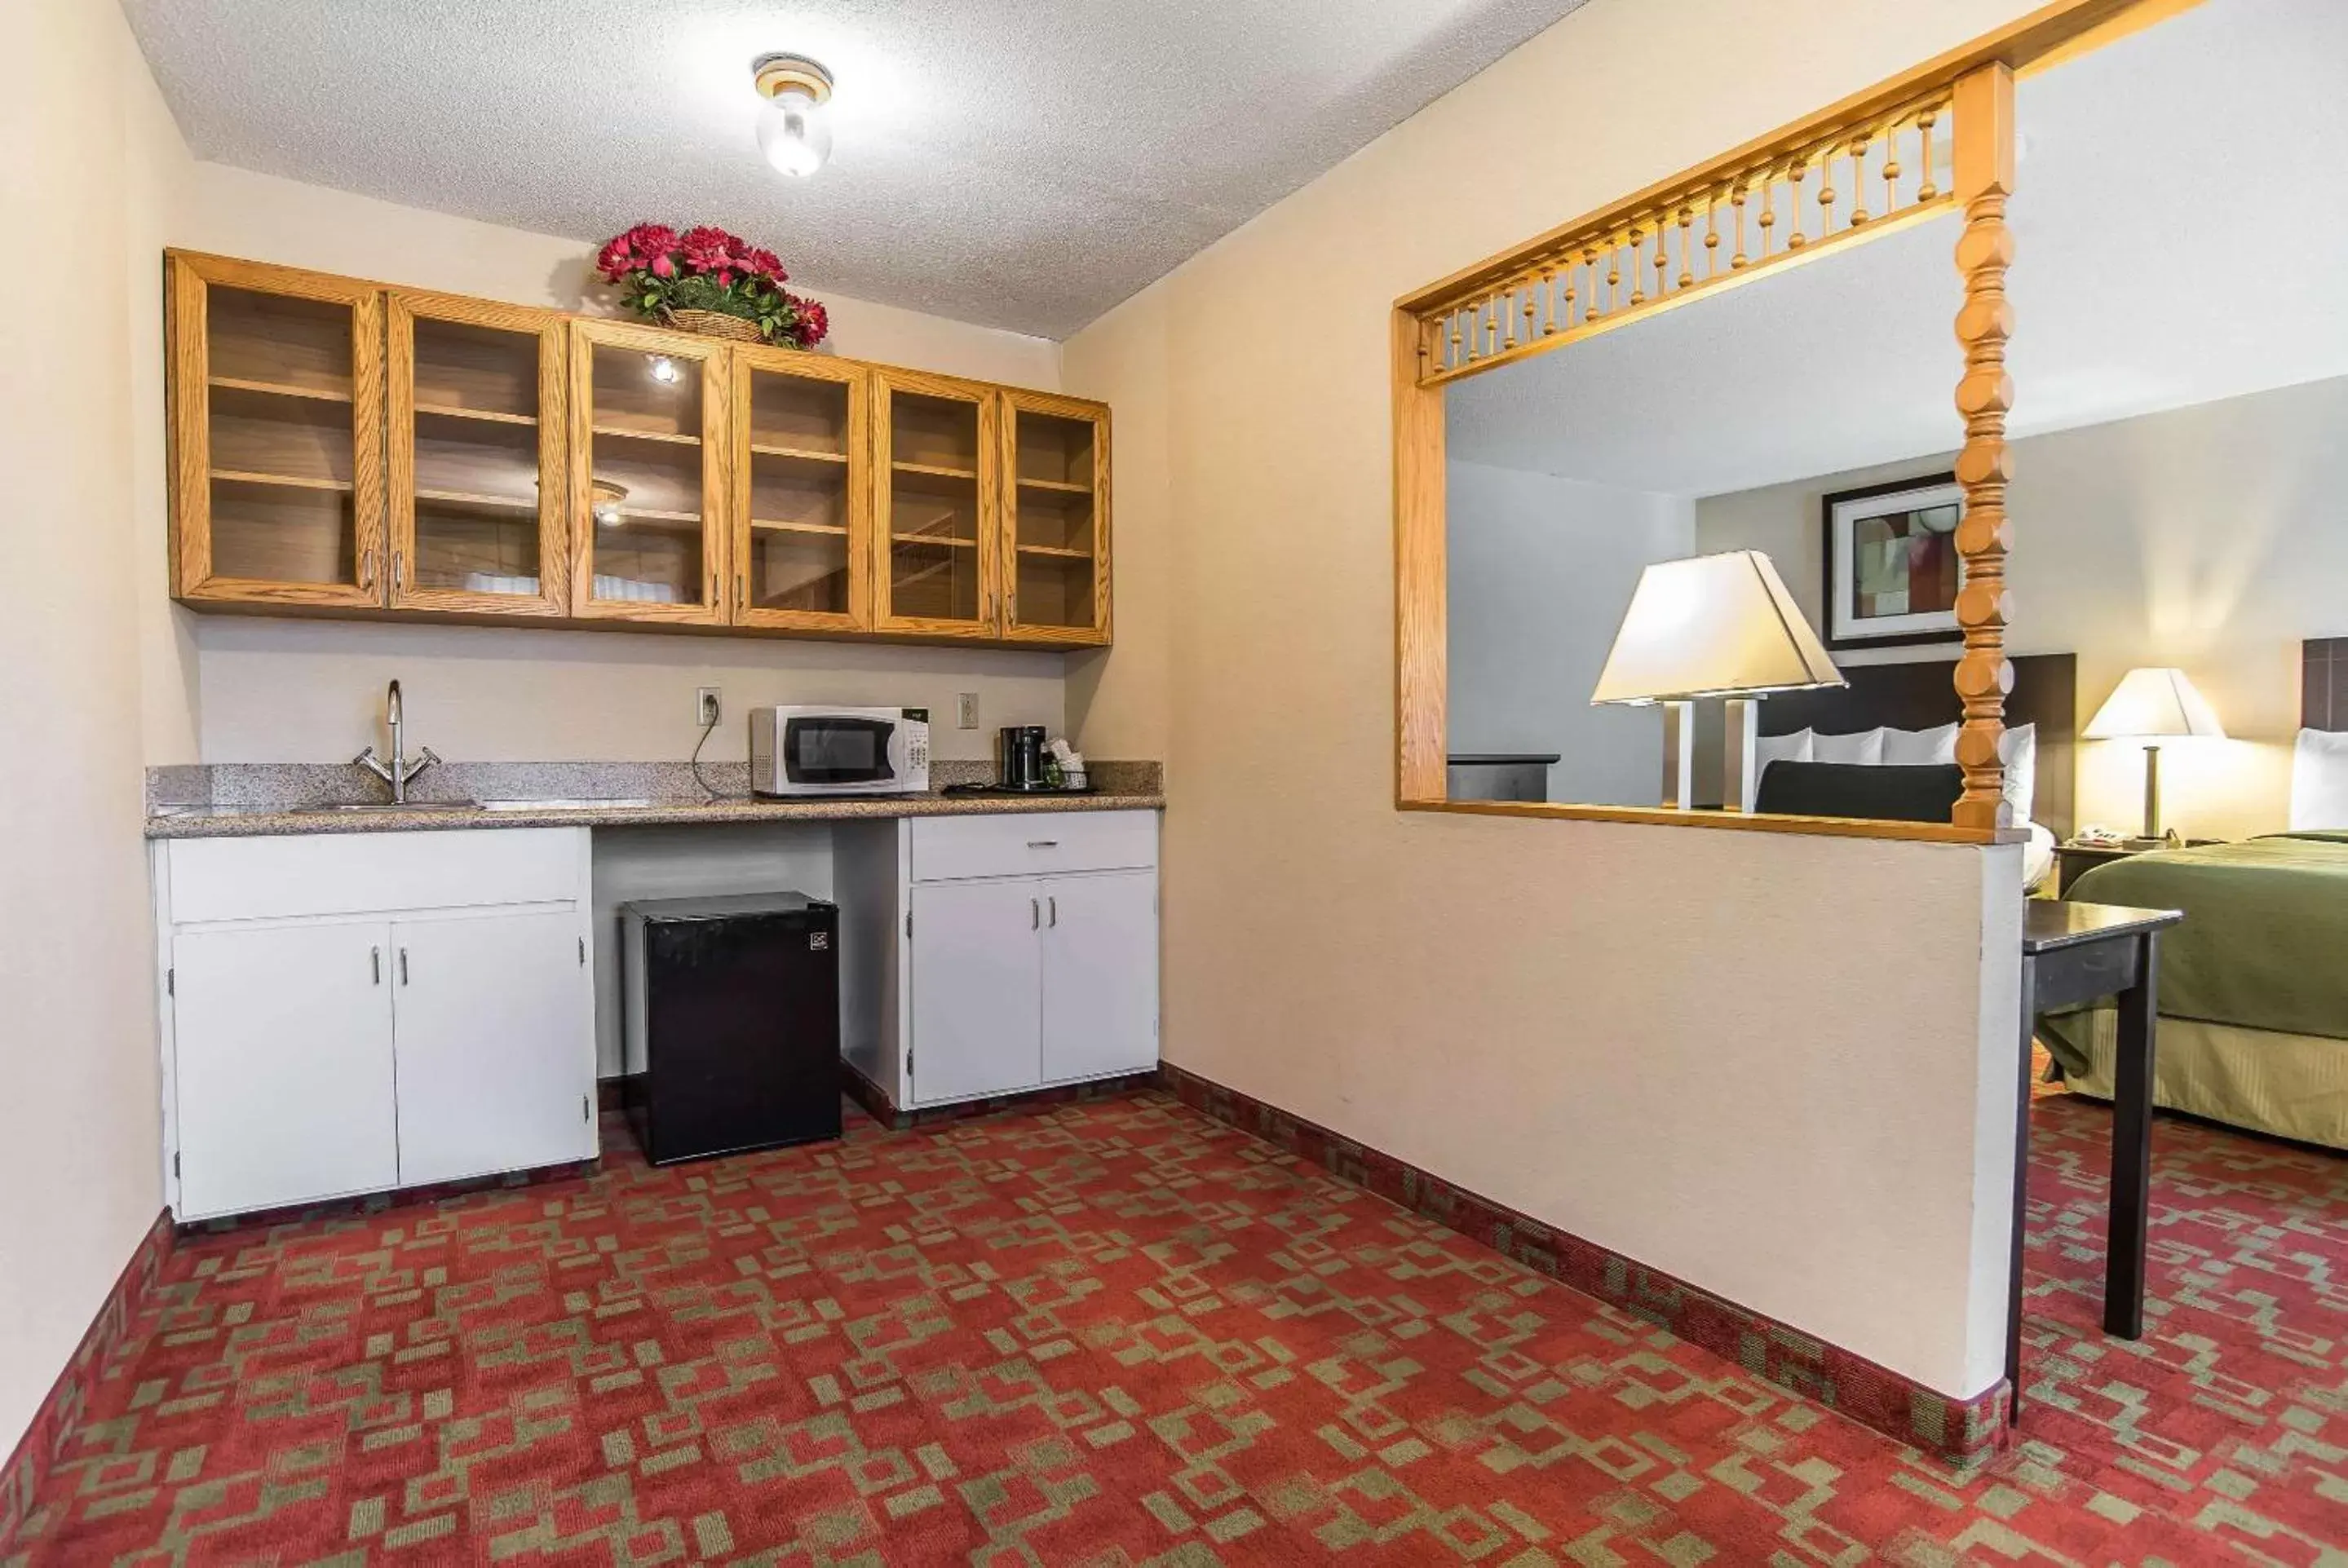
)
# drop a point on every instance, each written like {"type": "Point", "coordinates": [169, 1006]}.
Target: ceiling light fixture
{"type": "Point", "coordinates": [794, 129]}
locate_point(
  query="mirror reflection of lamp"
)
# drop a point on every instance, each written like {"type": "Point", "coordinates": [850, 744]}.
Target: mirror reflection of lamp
{"type": "Point", "coordinates": [1712, 626]}
{"type": "Point", "coordinates": [605, 498]}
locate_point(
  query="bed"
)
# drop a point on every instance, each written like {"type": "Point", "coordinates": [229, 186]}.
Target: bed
{"type": "Point", "coordinates": [1902, 719]}
{"type": "Point", "coordinates": [2254, 984]}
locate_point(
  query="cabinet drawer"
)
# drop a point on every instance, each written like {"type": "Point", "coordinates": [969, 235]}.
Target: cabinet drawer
{"type": "Point", "coordinates": [363, 873]}
{"type": "Point", "coordinates": [946, 849]}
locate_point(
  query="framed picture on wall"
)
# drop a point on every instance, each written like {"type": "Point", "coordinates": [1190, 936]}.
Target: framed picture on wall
{"type": "Point", "coordinates": [1891, 565]}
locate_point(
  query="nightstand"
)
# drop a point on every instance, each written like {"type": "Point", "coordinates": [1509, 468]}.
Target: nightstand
{"type": "Point", "coordinates": [2071, 859]}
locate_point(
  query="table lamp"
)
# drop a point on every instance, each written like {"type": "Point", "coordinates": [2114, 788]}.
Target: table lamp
{"type": "Point", "coordinates": [1712, 626]}
{"type": "Point", "coordinates": [2151, 704]}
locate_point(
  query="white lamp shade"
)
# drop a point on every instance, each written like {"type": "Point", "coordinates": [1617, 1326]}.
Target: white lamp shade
{"type": "Point", "coordinates": [2149, 703]}
{"type": "Point", "coordinates": [1712, 625]}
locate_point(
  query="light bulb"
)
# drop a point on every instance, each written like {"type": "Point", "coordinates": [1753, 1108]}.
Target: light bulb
{"type": "Point", "coordinates": [607, 514]}
{"type": "Point", "coordinates": [793, 132]}
{"type": "Point", "coordinates": [663, 369]}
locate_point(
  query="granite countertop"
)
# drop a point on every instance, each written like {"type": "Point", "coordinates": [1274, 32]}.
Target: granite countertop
{"type": "Point", "coordinates": [255, 801]}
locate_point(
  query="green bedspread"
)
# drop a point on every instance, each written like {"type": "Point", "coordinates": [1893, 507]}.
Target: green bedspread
{"type": "Point", "coordinates": [2264, 944]}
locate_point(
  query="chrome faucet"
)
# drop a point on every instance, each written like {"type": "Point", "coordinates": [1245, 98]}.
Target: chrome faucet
{"type": "Point", "coordinates": [400, 772]}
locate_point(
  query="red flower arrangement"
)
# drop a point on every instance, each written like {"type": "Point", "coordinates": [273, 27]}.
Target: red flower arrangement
{"type": "Point", "coordinates": [661, 271]}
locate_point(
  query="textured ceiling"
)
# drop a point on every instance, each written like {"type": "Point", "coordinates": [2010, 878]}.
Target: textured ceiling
{"type": "Point", "coordinates": [2167, 252]}
{"type": "Point", "coordinates": [1016, 163]}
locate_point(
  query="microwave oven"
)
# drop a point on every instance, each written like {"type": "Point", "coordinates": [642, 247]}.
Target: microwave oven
{"type": "Point", "coordinates": [839, 751]}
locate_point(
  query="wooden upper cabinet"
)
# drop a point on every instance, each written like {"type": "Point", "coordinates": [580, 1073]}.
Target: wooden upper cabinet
{"type": "Point", "coordinates": [353, 448]}
{"type": "Point", "coordinates": [802, 545]}
{"type": "Point", "coordinates": [937, 506]}
{"type": "Point", "coordinates": [650, 454]}
{"type": "Point", "coordinates": [478, 523]}
{"type": "Point", "coordinates": [276, 428]}
{"type": "Point", "coordinates": [1055, 556]}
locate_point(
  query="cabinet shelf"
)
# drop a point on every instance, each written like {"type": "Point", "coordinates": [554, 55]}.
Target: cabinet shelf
{"type": "Point", "coordinates": [289, 481]}
{"type": "Point", "coordinates": [785, 525]}
{"type": "Point", "coordinates": [277, 389]}
{"type": "Point", "coordinates": [468, 499]}
{"type": "Point", "coordinates": [669, 436]}
{"type": "Point", "coordinates": [932, 471]}
{"type": "Point", "coordinates": [801, 454]}
{"type": "Point", "coordinates": [1062, 486]}
{"type": "Point", "coordinates": [940, 541]}
{"type": "Point", "coordinates": [1053, 552]}
{"type": "Point", "coordinates": [649, 515]}
{"type": "Point", "coordinates": [491, 415]}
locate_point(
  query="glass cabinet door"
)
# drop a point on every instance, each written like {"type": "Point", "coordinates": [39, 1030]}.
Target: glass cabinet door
{"type": "Point", "coordinates": [803, 543]}
{"type": "Point", "coordinates": [475, 481]}
{"type": "Point", "coordinates": [647, 474]}
{"type": "Point", "coordinates": [1056, 504]}
{"type": "Point", "coordinates": [277, 472]}
{"type": "Point", "coordinates": [935, 506]}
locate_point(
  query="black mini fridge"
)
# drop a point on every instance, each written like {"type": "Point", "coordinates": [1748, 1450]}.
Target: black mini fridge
{"type": "Point", "coordinates": [732, 1009]}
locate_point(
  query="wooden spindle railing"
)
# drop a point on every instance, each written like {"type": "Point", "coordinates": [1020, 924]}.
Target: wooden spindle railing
{"type": "Point", "coordinates": [1622, 265]}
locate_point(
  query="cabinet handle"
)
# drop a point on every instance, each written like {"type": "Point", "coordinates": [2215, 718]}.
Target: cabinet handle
{"type": "Point", "coordinates": [714, 602]}
{"type": "Point", "coordinates": [403, 966]}
{"type": "Point", "coordinates": [1042, 843]}
{"type": "Point", "coordinates": [1035, 915]}
{"type": "Point", "coordinates": [1055, 904]}
{"type": "Point", "coordinates": [741, 592]}
{"type": "Point", "coordinates": [375, 962]}
{"type": "Point", "coordinates": [366, 568]}
{"type": "Point", "coordinates": [399, 571]}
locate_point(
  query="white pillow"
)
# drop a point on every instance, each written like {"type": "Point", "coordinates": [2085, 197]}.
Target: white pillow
{"type": "Point", "coordinates": [1920, 748]}
{"type": "Point", "coordinates": [1793, 748]}
{"type": "Point", "coordinates": [2018, 750]}
{"type": "Point", "coordinates": [1865, 747]}
{"type": "Point", "coordinates": [2319, 781]}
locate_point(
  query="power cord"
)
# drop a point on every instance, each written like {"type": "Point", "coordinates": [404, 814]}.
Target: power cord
{"type": "Point", "coordinates": [695, 764]}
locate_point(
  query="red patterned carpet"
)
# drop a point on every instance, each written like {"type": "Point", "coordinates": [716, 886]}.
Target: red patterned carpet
{"type": "Point", "coordinates": [1121, 1333]}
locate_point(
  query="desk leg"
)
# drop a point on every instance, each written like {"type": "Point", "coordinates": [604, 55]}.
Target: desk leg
{"type": "Point", "coordinates": [2021, 1194]}
{"type": "Point", "coordinates": [2139, 1010]}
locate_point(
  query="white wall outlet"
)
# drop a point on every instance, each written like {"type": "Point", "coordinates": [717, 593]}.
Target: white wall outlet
{"type": "Point", "coordinates": [706, 706]}
{"type": "Point", "coordinates": [966, 711]}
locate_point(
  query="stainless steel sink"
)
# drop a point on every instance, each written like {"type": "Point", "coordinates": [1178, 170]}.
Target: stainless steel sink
{"type": "Point", "coordinates": [385, 805]}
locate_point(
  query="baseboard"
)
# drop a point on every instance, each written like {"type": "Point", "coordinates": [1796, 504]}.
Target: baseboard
{"type": "Point", "coordinates": [61, 1411]}
{"type": "Point", "coordinates": [1962, 1432]}
{"type": "Point", "coordinates": [889, 1114]}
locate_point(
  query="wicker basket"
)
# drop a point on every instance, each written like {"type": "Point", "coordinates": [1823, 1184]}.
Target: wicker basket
{"type": "Point", "coordinates": [717, 323]}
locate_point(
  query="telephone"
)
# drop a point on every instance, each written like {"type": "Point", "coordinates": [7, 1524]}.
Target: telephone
{"type": "Point", "coordinates": [2099, 838]}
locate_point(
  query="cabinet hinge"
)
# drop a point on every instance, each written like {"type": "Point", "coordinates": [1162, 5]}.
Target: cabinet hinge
{"type": "Point", "coordinates": [171, 982]}
{"type": "Point", "coordinates": [175, 1165]}
{"type": "Point", "coordinates": [908, 923]}
{"type": "Point", "coordinates": [585, 1114]}
{"type": "Point", "coordinates": [583, 952]}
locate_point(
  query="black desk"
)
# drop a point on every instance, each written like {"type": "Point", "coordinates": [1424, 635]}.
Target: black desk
{"type": "Point", "coordinates": [2074, 953]}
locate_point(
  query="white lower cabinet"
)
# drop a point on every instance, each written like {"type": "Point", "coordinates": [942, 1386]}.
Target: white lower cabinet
{"type": "Point", "coordinates": [1100, 975]}
{"type": "Point", "coordinates": [978, 995]}
{"type": "Point", "coordinates": [987, 954]}
{"type": "Point", "coordinates": [485, 1025]}
{"type": "Point", "coordinates": [315, 1048]}
{"type": "Point", "coordinates": [284, 1064]}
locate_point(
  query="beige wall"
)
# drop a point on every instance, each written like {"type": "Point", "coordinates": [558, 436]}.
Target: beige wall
{"type": "Point", "coordinates": [79, 1158]}
{"type": "Point", "coordinates": [284, 691]}
{"type": "Point", "coordinates": [1773, 1065]}
{"type": "Point", "coordinates": [2199, 537]}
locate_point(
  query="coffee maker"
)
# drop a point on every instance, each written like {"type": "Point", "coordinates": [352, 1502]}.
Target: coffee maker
{"type": "Point", "coordinates": [1019, 757]}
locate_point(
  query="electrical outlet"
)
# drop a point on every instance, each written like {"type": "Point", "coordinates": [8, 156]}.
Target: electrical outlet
{"type": "Point", "coordinates": [706, 706]}
{"type": "Point", "coordinates": [966, 711]}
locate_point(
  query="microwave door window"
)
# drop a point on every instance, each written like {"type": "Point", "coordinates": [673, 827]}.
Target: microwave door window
{"type": "Point", "coordinates": [836, 751]}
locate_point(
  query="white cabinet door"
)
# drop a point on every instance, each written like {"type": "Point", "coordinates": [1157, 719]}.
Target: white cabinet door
{"type": "Point", "coordinates": [283, 1066]}
{"type": "Point", "coordinates": [495, 1045]}
{"type": "Point", "coordinates": [1100, 975]}
{"type": "Point", "coordinates": [977, 984]}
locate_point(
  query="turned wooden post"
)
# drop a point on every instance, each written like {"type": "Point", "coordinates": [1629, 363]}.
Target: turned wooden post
{"type": "Point", "coordinates": [1984, 179]}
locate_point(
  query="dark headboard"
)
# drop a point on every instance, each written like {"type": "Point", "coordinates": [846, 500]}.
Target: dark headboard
{"type": "Point", "coordinates": [2322, 683]}
{"type": "Point", "coordinates": [1921, 696]}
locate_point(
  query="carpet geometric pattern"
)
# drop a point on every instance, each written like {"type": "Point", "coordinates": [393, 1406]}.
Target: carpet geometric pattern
{"type": "Point", "coordinates": [1119, 1332]}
